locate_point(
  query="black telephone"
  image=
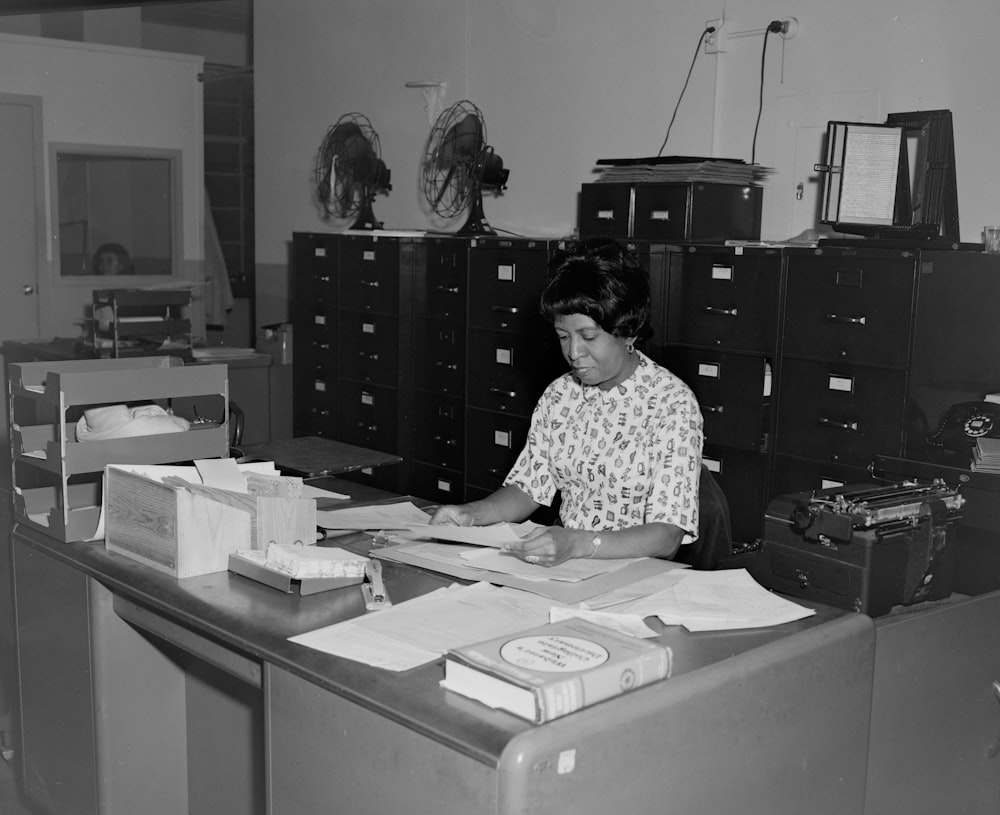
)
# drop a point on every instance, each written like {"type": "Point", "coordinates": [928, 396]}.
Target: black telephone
{"type": "Point", "coordinates": [964, 423]}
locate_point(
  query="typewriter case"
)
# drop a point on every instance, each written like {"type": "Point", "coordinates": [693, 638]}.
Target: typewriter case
{"type": "Point", "coordinates": [864, 548]}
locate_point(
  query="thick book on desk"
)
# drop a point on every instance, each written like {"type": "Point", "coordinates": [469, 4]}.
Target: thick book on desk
{"type": "Point", "coordinates": [546, 672]}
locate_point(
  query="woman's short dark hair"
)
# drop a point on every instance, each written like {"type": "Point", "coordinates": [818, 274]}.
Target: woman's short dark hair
{"type": "Point", "coordinates": [112, 249]}
{"type": "Point", "coordinates": [603, 280]}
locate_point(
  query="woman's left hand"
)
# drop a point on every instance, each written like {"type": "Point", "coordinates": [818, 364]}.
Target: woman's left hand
{"type": "Point", "coordinates": [550, 546]}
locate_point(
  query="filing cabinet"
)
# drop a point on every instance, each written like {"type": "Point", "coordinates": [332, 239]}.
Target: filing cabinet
{"type": "Point", "coordinates": [512, 352]}
{"type": "Point", "coordinates": [719, 314]}
{"type": "Point", "coordinates": [353, 326]}
{"type": "Point", "coordinates": [432, 348]}
{"type": "Point", "coordinates": [844, 364]}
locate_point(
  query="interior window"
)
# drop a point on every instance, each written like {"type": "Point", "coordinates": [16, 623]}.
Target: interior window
{"type": "Point", "coordinates": [116, 211]}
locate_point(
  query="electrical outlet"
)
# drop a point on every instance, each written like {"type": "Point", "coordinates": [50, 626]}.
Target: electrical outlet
{"type": "Point", "coordinates": [789, 27]}
{"type": "Point", "coordinates": [714, 38]}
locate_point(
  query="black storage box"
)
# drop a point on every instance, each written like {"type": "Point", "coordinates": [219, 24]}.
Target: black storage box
{"type": "Point", "coordinates": [864, 548]}
{"type": "Point", "coordinates": [689, 211]}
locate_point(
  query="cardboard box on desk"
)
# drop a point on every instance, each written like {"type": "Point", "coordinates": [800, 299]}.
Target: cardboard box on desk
{"type": "Point", "coordinates": [189, 531]}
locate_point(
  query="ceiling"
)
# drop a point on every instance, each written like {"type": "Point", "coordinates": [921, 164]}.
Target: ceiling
{"type": "Point", "coordinates": [232, 16]}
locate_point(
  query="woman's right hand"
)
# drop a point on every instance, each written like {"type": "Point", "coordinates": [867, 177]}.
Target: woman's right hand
{"type": "Point", "coordinates": [454, 515]}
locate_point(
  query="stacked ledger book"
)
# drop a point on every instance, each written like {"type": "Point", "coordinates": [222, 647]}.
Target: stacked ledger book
{"type": "Point", "coordinates": [681, 169]}
{"type": "Point", "coordinates": [986, 455]}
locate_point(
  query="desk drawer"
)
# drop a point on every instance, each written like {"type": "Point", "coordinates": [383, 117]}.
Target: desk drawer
{"type": "Point", "coordinates": [721, 300]}
{"type": "Point", "coordinates": [838, 412]}
{"type": "Point", "coordinates": [495, 441]}
{"type": "Point", "coordinates": [369, 347]}
{"type": "Point", "coordinates": [730, 391]}
{"type": "Point", "coordinates": [850, 308]}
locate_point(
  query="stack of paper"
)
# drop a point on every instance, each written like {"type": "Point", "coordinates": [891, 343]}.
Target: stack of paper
{"type": "Point", "coordinates": [680, 169]}
{"type": "Point", "coordinates": [986, 455]}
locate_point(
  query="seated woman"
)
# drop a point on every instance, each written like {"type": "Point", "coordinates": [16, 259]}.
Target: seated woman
{"type": "Point", "coordinates": [111, 259]}
{"type": "Point", "coordinates": [618, 437]}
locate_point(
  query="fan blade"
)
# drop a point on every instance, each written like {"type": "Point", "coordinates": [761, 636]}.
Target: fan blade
{"type": "Point", "coordinates": [444, 185]}
{"type": "Point", "coordinates": [463, 140]}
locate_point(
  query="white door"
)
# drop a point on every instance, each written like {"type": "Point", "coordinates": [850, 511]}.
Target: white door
{"type": "Point", "coordinates": [21, 220]}
{"type": "Point", "coordinates": [800, 132]}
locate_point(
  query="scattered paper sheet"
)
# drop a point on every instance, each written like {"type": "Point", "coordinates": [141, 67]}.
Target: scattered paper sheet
{"type": "Point", "coordinates": [400, 515]}
{"type": "Point", "coordinates": [631, 624]}
{"type": "Point", "coordinates": [718, 601]}
{"type": "Point", "coordinates": [421, 630]}
{"type": "Point", "coordinates": [496, 535]}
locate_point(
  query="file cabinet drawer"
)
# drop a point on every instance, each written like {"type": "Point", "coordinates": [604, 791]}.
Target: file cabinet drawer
{"type": "Point", "coordinates": [730, 391]}
{"type": "Point", "coordinates": [505, 281]}
{"type": "Point", "coordinates": [369, 348]}
{"type": "Point", "coordinates": [841, 413]}
{"type": "Point", "coordinates": [439, 484]}
{"type": "Point", "coordinates": [439, 356]}
{"type": "Point", "coordinates": [798, 475]}
{"type": "Point", "coordinates": [741, 475]}
{"type": "Point", "coordinates": [495, 441]}
{"type": "Point", "coordinates": [605, 209]}
{"type": "Point", "coordinates": [445, 287]}
{"type": "Point", "coordinates": [725, 301]}
{"type": "Point", "coordinates": [508, 372]}
{"type": "Point", "coordinates": [857, 309]}
{"type": "Point", "coordinates": [372, 282]}
{"type": "Point", "coordinates": [367, 416]}
{"type": "Point", "coordinates": [440, 435]}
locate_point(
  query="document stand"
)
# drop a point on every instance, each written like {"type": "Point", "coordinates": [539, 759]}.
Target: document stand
{"type": "Point", "coordinates": [893, 183]}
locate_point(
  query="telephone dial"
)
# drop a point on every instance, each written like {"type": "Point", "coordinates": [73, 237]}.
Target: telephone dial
{"type": "Point", "coordinates": [964, 423]}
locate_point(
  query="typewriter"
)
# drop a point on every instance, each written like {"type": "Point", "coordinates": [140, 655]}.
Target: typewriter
{"type": "Point", "coordinates": [865, 548]}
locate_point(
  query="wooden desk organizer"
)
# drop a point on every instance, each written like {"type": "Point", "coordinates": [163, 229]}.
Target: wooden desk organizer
{"type": "Point", "coordinates": [188, 531]}
{"type": "Point", "coordinates": [56, 479]}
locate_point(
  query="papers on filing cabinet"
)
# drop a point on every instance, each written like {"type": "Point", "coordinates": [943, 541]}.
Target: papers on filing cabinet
{"type": "Point", "coordinates": [702, 601]}
{"type": "Point", "coordinates": [421, 630]}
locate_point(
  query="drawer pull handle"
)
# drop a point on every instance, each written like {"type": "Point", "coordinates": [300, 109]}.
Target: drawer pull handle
{"type": "Point", "coordinates": [451, 366]}
{"type": "Point", "coordinates": [836, 318]}
{"type": "Point", "coordinates": [446, 442]}
{"type": "Point", "coordinates": [371, 428]}
{"type": "Point", "coordinates": [372, 357]}
{"type": "Point", "coordinates": [838, 425]}
{"type": "Point", "coordinates": [499, 392]}
{"type": "Point", "coordinates": [724, 312]}
{"type": "Point", "coordinates": [505, 309]}
{"type": "Point", "coordinates": [371, 284]}
{"type": "Point", "coordinates": [449, 289]}
{"type": "Point", "coordinates": [712, 408]}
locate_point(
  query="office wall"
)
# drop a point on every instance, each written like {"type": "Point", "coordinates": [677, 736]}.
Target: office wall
{"type": "Point", "coordinates": [105, 95]}
{"type": "Point", "coordinates": [565, 82]}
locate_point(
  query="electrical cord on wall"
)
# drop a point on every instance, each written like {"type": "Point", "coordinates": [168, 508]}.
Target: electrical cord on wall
{"type": "Point", "coordinates": [709, 30]}
{"type": "Point", "coordinates": [774, 27]}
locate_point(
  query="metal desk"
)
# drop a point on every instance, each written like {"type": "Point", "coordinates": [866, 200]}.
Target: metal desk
{"type": "Point", "coordinates": [196, 701]}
